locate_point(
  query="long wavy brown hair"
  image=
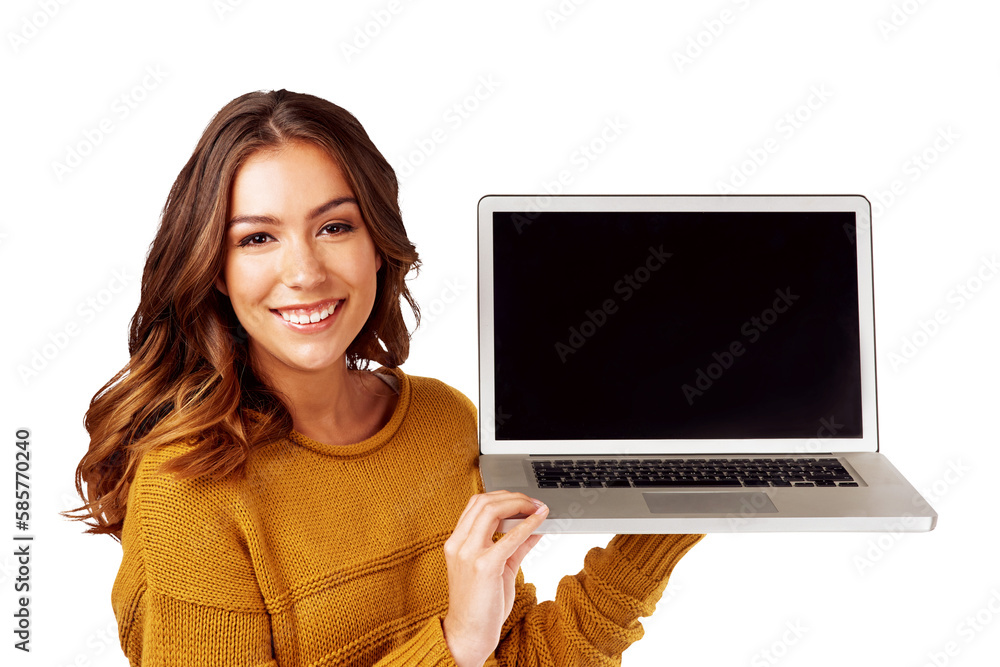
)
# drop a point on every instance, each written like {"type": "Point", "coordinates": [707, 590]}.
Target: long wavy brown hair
{"type": "Point", "coordinates": [189, 376]}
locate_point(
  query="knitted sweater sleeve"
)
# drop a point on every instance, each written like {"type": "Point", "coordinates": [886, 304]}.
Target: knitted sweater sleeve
{"type": "Point", "coordinates": [594, 617]}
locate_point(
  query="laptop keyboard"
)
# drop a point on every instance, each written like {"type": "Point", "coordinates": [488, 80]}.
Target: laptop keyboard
{"type": "Point", "coordinates": [678, 473]}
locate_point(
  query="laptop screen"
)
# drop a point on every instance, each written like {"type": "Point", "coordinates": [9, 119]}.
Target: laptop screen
{"type": "Point", "coordinates": [688, 325]}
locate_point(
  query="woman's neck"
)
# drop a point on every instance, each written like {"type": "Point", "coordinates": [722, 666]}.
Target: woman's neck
{"type": "Point", "coordinates": [335, 406]}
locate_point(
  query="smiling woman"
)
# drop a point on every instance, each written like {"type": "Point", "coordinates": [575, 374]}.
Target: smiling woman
{"type": "Point", "coordinates": [276, 501]}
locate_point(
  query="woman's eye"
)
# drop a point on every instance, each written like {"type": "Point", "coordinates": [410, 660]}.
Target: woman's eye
{"type": "Point", "coordinates": [260, 238]}
{"type": "Point", "coordinates": [338, 228]}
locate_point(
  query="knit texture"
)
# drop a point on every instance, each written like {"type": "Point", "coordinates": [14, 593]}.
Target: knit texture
{"type": "Point", "coordinates": [333, 555]}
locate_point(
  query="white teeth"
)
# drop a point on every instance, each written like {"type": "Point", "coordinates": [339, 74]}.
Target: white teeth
{"type": "Point", "coordinates": [304, 317]}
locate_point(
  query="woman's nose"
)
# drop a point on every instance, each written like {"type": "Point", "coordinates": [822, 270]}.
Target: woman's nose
{"type": "Point", "coordinates": [302, 265]}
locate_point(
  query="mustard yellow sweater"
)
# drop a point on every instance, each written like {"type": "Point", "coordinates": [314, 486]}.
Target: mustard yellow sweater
{"type": "Point", "coordinates": [334, 556]}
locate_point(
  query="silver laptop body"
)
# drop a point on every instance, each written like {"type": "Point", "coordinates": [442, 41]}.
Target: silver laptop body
{"type": "Point", "coordinates": [684, 364]}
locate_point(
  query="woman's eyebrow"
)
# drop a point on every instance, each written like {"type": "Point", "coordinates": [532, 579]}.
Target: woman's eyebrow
{"type": "Point", "coordinates": [315, 213]}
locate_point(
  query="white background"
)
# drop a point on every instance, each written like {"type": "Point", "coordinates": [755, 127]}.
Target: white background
{"type": "Point", "coordinates": [885, 80]}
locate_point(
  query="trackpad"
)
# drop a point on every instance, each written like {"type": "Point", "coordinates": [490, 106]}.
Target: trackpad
{"type": "Point", "coordinates": [708, 503]}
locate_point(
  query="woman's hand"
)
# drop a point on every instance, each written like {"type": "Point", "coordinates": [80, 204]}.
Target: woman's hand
{"type": "Point", "coordinates": [481, 573]}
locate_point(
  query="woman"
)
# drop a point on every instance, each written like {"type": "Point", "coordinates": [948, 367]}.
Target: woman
{"type": "Point", "coordinates": [271, 494]}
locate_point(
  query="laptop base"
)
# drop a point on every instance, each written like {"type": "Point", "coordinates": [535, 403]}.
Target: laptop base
{"type": "Point", "coordinates": [884, 501]}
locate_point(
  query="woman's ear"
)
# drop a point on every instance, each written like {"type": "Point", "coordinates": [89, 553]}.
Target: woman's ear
{"type": "Point", "coordinates": [220, 284]}
{"type": "Point", "coordinates": [378, 261]}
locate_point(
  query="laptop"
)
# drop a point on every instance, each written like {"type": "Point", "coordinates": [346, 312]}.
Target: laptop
{"type": "Point", "coordinates": [684, 364]}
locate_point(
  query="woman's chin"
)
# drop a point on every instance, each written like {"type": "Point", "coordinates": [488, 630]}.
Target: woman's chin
{"type": "Point", "coordinates": [312, 365]}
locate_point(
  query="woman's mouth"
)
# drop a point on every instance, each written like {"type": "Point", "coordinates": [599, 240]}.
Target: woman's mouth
{"type": "Point", "coordinates": [310, 318]}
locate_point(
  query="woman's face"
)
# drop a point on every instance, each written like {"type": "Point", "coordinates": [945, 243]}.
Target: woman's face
{"type": "Point", "coordinates": [300, 266]}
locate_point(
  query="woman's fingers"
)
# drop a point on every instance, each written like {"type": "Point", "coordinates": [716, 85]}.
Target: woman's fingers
{"type": "Point", "coordinates": [486, 518]}
{"type": "Point", "coordinates": [523, 530]}
{"type": "Point", "coordinates": [482, 516]}
{"type": "Point", "coordinates": [462, 527]}
{"type": "Point", "coordinates": [515, 544]}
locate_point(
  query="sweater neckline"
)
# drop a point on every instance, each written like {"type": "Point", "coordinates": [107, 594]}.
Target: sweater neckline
{"type": "Point", "coordinates": [377, 440]}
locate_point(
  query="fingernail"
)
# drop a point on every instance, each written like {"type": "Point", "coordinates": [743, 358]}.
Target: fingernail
{"type": "Point", "coordinates": [541, 509]}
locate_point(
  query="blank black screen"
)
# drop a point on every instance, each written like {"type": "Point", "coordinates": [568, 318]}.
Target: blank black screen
{"type": "Point", "coordinates": [653, 325]}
